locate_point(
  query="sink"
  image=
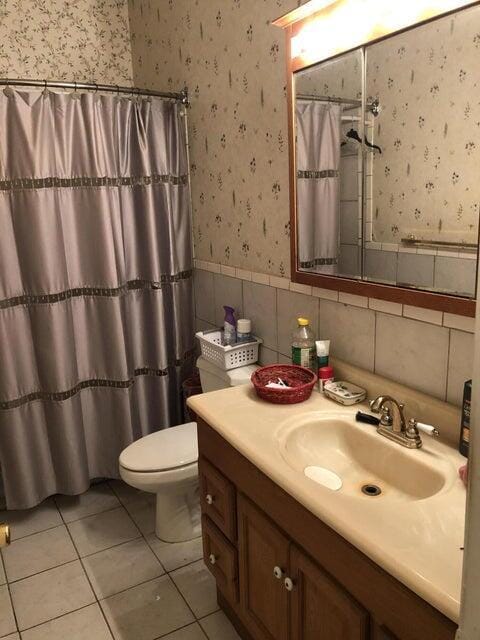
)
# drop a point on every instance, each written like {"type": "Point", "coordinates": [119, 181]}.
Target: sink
{"type": "Point", "coordinates": [333, 445]}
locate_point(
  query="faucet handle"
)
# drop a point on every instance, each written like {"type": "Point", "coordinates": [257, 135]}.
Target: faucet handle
{"type": "Point", "coordinates": [428, 429]}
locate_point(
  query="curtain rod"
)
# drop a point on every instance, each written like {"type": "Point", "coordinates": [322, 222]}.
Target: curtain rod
{"type": "Point", "coordinates": [374, 106]}
{"type": "Point", "coordinates": [182, 96]}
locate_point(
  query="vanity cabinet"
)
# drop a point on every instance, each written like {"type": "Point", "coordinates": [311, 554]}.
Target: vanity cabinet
{"type": "Point", "coordinates": [282, 574]}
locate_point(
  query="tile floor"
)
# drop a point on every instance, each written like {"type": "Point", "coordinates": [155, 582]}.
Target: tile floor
{"type": "Point", "coordinates": [90, 568]}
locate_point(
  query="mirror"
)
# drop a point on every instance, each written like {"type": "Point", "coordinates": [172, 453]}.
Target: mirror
{"type": "Point", "coordinates": [387, 157]}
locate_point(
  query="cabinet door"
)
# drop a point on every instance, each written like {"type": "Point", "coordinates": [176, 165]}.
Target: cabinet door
{"type": "Point", "coordinates": [263, 561]}
{"type": "Point", "coordinates": [320, 608]}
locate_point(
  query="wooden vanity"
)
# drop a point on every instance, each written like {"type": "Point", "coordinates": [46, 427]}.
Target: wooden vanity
{"type": "Point", "coordinates": [282, 574]}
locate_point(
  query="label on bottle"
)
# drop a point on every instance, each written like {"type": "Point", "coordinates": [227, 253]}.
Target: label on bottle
{"type": "Point", "coordinates": [303, 356]}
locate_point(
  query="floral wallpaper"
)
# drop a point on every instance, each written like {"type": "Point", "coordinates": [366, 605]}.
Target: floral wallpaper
{"type": "Point", "coordinates": [232, 60]}
{"type": "Point", "coordinates": [426, 180]}
{"type": "Point", "coordinates": [85, 40]}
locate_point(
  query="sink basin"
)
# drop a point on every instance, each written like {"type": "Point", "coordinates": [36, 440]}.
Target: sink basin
{"type": "Point", "coordinates": [320, 445]}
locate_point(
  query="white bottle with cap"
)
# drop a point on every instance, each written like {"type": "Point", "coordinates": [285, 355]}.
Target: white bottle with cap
{"type": "Point", "coordinates": [244, 330]}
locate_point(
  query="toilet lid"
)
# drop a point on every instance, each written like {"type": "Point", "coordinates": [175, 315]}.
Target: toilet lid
{"type": "Point", "coordinates": [162, 450]}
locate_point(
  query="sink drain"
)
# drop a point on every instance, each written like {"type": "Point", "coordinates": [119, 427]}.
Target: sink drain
{"type": "Point", "coordinates": [371, 490]}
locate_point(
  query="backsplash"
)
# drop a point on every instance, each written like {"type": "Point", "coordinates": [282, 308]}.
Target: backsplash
{"type": "Point", "coordinates": [85, 40]}
{"type": "Point", "coordinates": [423, 349]}
{"type": "Point", "coordinates": [233, 62]}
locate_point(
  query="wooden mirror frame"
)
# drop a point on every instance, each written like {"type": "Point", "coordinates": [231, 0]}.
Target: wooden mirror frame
{"type": "Point", "coordinates": [292, 24]}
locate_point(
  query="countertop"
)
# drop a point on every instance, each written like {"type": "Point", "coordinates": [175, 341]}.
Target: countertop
{"type": "Point", "coordinates": [418, 542]}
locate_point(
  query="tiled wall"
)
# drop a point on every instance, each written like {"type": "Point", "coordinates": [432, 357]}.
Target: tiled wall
{"type": "Point", "coordinates": [447, 271]}
{"type": "Point", "coordinates": [427, 350]}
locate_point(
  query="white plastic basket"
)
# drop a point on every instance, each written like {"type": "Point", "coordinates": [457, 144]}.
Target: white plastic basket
{"type": "Point", "coordinates": [227, 357]}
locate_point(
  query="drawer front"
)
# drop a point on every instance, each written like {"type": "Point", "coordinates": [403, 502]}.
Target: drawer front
{"type": "Point", "coordinates": [217, 498]}
{"type": "Point", "coordinates": [220, 556]}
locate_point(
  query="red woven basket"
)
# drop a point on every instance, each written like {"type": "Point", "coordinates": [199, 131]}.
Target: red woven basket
{"type": "Point", "coordinates": [300, 380]}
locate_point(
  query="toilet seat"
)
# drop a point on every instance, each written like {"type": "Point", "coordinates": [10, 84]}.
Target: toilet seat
{"type": "Point", "coordinates": [163, 451]}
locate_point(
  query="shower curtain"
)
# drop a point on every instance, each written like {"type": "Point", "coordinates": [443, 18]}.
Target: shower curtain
{"type": "Point", "coordinates": [318, 184]}
{"type": "Point", "coordinates": [96, 314]}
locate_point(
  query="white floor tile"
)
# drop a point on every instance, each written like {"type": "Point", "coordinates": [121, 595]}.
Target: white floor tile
{"type": "Point", "coordinates": [192, 632]}
{"type": "Point", "coordinates": [12, 636]}
{"type": "Point", "coordinates": [142, 511]}
{"type": "Point", "coordinates": [7, 621]}
{"type": "Point", "coordinates": [124, 492]}
{"type": "Point", "coordinates": [50, 594]}
{"type": "Point", "coordinates": [3, 577]}
{"type": "Point", "coordinates": [198, 588]}
{"type": "Point", "coordinates": [218, 627]}
{"type": "Point", "coordinates": [122, 567]}
{"type": "Point", "coordinates": [85, 624]}
{"type": "Point", "coordinates": [97, 499]}
{"type": "Point", "coordinates": [28, 521]}
{"type": "Point", "coordinates": [175, 555]}
{"type": "Point", "coordinates": [101, 531]}
{"type": "Point", "coordinates": [38, 552]}
{"type": "Point", "coordinates": [146, 612]}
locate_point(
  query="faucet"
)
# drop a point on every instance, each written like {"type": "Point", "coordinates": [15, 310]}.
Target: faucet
{"type": "Point", "coordinates": [394, 426]}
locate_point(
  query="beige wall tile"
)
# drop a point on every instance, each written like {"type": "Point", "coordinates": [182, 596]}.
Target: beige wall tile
{"type": "Point", "coordinates": [267, 356]}
{"type": "Point", "coordinates": [261, 278]}
{"type": "Point", "coordinates": [301, 288]}
{"type": "Point", "coordinates": [394, 308]}
{"type": "Point", "coordinates": [425, 315]}
{"type": "Point", "coordinates": [290, 306]}
{"type": "Point", "coordinates": [260, 305]}
{"type": "Point", "coordinates": [351, 298]}
{"type": "Point", "coordinates": [279, 283]}
{"type": "Point", "coordinates": [411, 352]}
{"type": "Point", "coordinates": [459, 322]}
{"type": "Point", "coordinates": [460, 364]}
{"type": "Point", "coordinates": [326, 294]}
{"type": "Point", "coordinates": [228, 291]}
{"type": "Point", "coordinates": [204, 295]}
{"type": "Point", "coordinates": [351, 331]}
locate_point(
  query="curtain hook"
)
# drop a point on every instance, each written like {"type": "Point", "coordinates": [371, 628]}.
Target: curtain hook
{"type": "Point", "coordinates": [96, 88]}
{"type": "Point", "coordinates": [75, 86]}
{"type": "Point", "coordinates": [45, 85]}
{"type": "Point", "coordinates": [118, 90]}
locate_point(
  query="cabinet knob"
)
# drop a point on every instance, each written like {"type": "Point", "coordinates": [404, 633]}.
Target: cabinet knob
{"type": "Point", "coordinates": [209, 498]}
{"type": "Point", "coordinates": [288, 584]}
{"type": "Point", "coordinates": [212, 559]}
{"type": "Point", "coordinates": [278, 573]}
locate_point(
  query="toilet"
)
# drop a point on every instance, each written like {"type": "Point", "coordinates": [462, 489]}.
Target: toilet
{"type": "Point", "coordinates": [166, 463]}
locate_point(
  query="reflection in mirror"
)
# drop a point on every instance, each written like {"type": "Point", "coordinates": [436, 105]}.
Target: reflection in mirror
{"type": "Point", "coordinates": [329, 130]}
{"type": "Point", "coordinates": [422, 207]}
{"type": "Point", "coordinates": [392, 195]}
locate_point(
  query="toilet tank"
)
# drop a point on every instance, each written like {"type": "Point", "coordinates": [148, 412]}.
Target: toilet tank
{"type": "Point", "coordinates": [214, 378]}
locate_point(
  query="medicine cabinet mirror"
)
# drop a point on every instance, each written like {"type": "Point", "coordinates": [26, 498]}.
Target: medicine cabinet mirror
{"type": "Point", "coordinates": [385, 167]}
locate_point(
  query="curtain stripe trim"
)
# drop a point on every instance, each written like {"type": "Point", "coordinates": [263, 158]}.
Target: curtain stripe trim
{"type": "Point", "coordinates": [315, 175]}
{"type": "Point", "coordinates": [317, 262]}
{"type": "Point", "coordinates": [59, 396]}
{"type": "Point", "coordinates": [20, 184]}
{"type": "Point", "coordinates": [102, 292]}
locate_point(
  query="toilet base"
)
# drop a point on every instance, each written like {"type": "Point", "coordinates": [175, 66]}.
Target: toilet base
{"type": "Point", "coordinates": [178, 517]}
